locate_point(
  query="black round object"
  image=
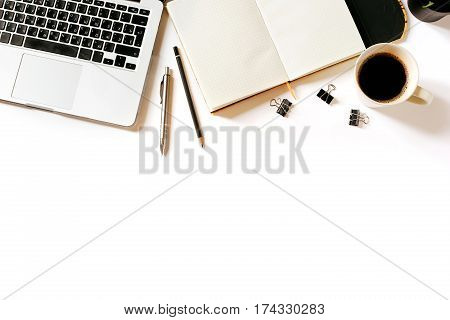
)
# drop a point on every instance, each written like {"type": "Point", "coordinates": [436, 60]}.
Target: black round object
{"type": "Point", "coordinates": [383, 77]}
{"type": "Point", "coordinates": [429, 10]}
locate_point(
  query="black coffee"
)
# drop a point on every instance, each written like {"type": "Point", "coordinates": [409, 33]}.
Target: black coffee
{"type": "Point", "coordinates": [382, 77]}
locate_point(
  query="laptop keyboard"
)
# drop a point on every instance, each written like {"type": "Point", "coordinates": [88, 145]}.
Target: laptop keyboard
{"type": "Point", "coordinates": [90, 30]}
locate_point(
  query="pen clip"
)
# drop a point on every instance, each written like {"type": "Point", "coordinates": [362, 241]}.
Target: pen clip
{"type": "Point", "coordinates": [161, 88]}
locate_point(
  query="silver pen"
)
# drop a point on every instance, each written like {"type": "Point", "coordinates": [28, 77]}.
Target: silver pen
{"type": "Point", "coordinates": [164, 91]}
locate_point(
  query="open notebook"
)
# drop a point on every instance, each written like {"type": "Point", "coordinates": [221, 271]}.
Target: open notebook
{"type": "Point", "coordinates": [238, 48]}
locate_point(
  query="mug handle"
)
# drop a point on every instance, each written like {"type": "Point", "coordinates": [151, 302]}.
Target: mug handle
{"type": "Point", "coordinates": [421, 96]}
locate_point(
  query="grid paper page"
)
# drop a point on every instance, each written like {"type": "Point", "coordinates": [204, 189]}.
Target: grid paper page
{"type": "Point", "coordinates": [311, 35]}
{"type": "Point", "coordinates": [229, 48]}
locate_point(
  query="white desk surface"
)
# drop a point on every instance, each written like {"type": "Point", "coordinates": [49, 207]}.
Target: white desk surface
{"type": "Point", "coordinates": [370, 221]}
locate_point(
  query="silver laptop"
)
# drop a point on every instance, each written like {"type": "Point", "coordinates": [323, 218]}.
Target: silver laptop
{"type": "Point", "coordinates": [84, 58]}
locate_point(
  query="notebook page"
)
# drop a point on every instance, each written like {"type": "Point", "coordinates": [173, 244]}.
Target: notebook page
{"type": "Point", "coordinates": [229, 48]}
{"type": "Point", "coordinates": [311, 34]}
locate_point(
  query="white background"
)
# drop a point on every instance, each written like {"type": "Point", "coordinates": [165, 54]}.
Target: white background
{"type": "Point", "coordinates": [366, 232]}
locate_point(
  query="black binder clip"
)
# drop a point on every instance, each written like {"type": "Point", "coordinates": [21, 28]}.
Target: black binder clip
{"type": "Point", "coordinates": [283, 107]}
{"type": "Point", "coordinates": [357, 118]}
{"type": "Point", "coordinates": [326, 95]}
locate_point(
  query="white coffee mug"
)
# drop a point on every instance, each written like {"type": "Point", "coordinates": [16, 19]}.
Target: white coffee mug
{"type": "Point", "coordinates": [412, 93]}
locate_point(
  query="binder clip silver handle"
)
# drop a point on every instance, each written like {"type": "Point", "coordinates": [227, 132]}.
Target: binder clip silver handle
{"type": "Point", "coordinates": [357, 118]}
{"type": "Point", "coordinates": [275, 103]}
{"type": "Point", "coordinates": [326, 95]}
{"type": "Point", "coordinates": [283, 106]}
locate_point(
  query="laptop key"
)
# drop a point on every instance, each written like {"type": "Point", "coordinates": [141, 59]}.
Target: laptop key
{"type": "Point", "coordinates": [144, 12]}
{"type": "Point", "coordinates": [52, 13]}
{"type": "Point", "coordinates": [139, 31]}
{"type": "Point", "coordinates": [74, 28]}
{"type": "Point", "coordinates": [87, 43]}
{"type": "Point", "coordinates": [60, 4]}
{"type": "Point", "coordinates": [20, 7]}
{"type": "Point", "coordinates": [43, 34]}
{"type": "Point", "coordinates": [5, 37]}
{"type": "Point", "coordinates": [41, 11]}
{"type": "Point", "coordinates": [117, 37]}
{"type": "Point", "coordinates": [120, 61]}
{"type": "Point", "coordinates": [109, 62]}
{"type": "Point", "coordinates": [95, 22]}
{"type": "Point", "coordinates": [92, 11]}
{"type": "Point", "coordinates": [63, 15]}
{"type": "Point", "coordinates": [71, 6]}
{"type": "Point", "coordinates": [2, 25]}
{"type": "Point", "coordinates": [62, 26]}
{"type": "Point", "coordinates": [114, 15]}
{"type": "Point", "coordinates": [109, 47]}
{"type": "Point", "coordinates": [98, 45]}
{"type": "Point", "coordinates": [110, 5]}
{"type": "Point", "coordinates": [106, 35]}
{"type": "Point", "coordinates": [11, 27]}
{"type": "Point", "coordinates": [117, 26]}
{"type": "Point", "coordinates": [49, 3]}
{"type": "Point", "coordinates": [138, 41]}
{"type": "Point", "coordinates": [99, 3]}
{"type": "Point", "coordinates": [39, 2]}
{"type": "Point", "coordinates": [129, 40]}
{"type": "Point", "coordinates": [32, 31]}
{"type": "Point", "coordinates": [51, 24]}
{"type": "Point", "coordinates": [73, 17]}
{"type": "Point", "coordinates": [129, 28]}
{"type": "Point", "coordinates": [30, 20]}
{"type": "Point", "coordinates": [22, 29]}
{"type": "Point", "coordinates": [76, 40]}
{"type": "Point", "coordinates": [31, 9]}
{"type": "Point", "coordinates": [106, 24]}
{"type": "Point", "coordinates": [41, 22]}
{"type": "Point", "coordinates": [127, 51]}
{"type": "Point", "coordinates": [82, 8]}
{"type": "Point", "coordinates": [130, 66]}
{"type": "Point", "coordinates": [104, 13]}
{"type": "Point", "coordinates": [9, 16]}
{"type": "Point", "coordinates": [121, 7]}
{"type": "Point", "coordinates": [65, 38]}
{"type": "Point", "coordinates": [84, 31]}
{"type": "Point", "coordinates": [54, 36]}
{"type": "Point", "coordinates": [51, 47]}
{"type": "Point", "coordinates": [125, 17]}
{"type": "Point", "coordinates": [19, 18]}
{"type": "Point", "coordinates": [9, 5]}
{"type": "Point", "coordinates": [95, 33]}
{"type": "Point", "coordinates": [139, 20]}
{"type": "Point", "coordinates": [98, 56]}
{"type": "Point", "coordinates": [85, 54]}
{"type": "Point", "coordinates": [133, 10]}
{"type": "Point", "coordinates": [85, 20]}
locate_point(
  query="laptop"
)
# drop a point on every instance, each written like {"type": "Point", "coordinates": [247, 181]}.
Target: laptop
{"type": "Point", "coordinates": [83, 58]}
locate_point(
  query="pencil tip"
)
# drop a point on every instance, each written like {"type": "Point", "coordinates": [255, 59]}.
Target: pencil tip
{"type": "Point", "coordinates": [202, 141]}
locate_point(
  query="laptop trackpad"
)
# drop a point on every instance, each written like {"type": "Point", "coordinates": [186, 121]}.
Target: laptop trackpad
{"type": "Point", "coordinates": [47, 82]}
